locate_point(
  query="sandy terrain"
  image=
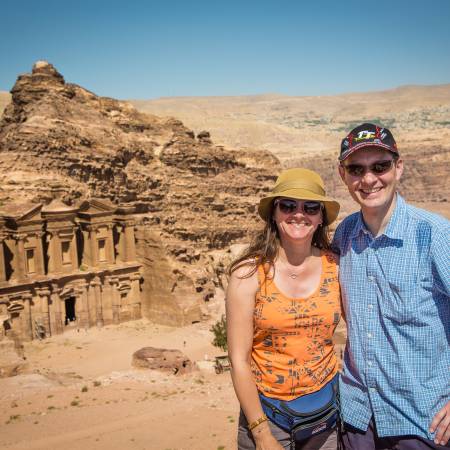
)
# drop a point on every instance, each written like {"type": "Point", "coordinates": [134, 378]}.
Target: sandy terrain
{"type": "Point", "coordinates": [82, 393]}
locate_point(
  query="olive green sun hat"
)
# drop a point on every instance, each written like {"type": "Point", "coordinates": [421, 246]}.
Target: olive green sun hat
{"type": "Point", "coordinates": [301, 184]}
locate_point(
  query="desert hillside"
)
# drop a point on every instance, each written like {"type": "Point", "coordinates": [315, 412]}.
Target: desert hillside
{"type": "Point", "coordinates": [296, 126]}
{"type": "Point", "coordinates": [307, 131]}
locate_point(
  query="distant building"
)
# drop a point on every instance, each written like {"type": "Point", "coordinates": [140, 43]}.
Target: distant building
{"type": "Point", "coordinates": [62, 265]}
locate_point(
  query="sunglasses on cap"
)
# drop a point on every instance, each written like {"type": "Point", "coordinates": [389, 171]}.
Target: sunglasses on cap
{"type": "Point", "coordinates": [377, 168]}
{"type": "Point", "coordinates": [289, 205]}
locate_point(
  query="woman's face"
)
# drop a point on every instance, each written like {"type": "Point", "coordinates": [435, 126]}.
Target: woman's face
{"type": "Point", "coordinates": [297, 220]}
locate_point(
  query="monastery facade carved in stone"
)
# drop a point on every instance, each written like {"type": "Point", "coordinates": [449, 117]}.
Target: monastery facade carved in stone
{"type": "Point", "coordinates": [62, 266]}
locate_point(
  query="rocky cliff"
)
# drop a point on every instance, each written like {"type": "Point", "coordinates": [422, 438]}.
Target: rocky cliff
{"type": "Point", "coordinates": [307, 131]}
{"type": "Point", "coordinates": [193, 199]}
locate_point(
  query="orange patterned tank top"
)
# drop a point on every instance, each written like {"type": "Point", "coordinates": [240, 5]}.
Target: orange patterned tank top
{"type": "Point", "coordinates": [292, 352]}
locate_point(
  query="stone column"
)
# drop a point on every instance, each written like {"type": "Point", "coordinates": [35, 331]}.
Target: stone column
{"type": "Point", "coordinates": [87, 250]}
{"type": "Point", "coordinates": [115, 300]}
{"type": "Point", "coordinates": [82, 307]}
{"type": "Point", "coordinates": [110, 245]}
{"type": "Point", "coordinates": [91, 304]}
{"type": "Point", "coordinates": [93, 245]}
{"type": "Point", "coordinates": [27, 323]}
{"type": "Point", "coordinates": [40, 265]}
{"type": "Point", "coordinates": [135, 296]}
{"type": "Point", "coordinates": [107, 301]}
{"type": "Point", "coordinates": [55, 310]}
{"type": "Point", "coordinates": [19, 257]}
{"type": "Point", "coordinates": [54, 252]}
{"type": "Point", "coordinates": [73, 250]}
{"type": "Point", "coordinates": [44, 300]}
{"type": "Point", "coordinates": [96, 287]}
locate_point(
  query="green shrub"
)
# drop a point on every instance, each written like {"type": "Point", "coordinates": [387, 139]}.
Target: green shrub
{"type": "Point", "coordinates": [219, 329]}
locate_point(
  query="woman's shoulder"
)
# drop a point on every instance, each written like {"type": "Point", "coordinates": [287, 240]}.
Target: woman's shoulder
{"type": "Point", "coordinates": [243, 283]}
{"type": "Point", "coordinates": [246, 269]}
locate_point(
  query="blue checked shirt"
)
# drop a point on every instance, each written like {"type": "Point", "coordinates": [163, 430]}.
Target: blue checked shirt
{"type": "Point", "coordinates": [396, 299]}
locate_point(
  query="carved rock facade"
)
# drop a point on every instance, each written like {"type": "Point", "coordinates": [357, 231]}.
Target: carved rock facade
{"type": "Point", "coordinates": [193, 198]}
{"type": "Point", "coordinates": [62, 265]}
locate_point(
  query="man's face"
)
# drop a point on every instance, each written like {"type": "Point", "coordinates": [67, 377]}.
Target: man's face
{"type": "Point", "coordinates": [373, 191]}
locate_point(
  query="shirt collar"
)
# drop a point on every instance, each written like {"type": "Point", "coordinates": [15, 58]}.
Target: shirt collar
{"type": "Point", "coordinates": [395, 227]}
{"type": "Point", "coordinates": [359, 227]}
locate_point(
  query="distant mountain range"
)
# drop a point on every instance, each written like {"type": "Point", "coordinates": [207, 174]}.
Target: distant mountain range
{"type": "Point", "coordinates": [294, 126]}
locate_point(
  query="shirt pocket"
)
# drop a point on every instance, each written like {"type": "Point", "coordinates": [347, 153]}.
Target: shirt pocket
{"type": "Point", "coordinates": [409, 300]}
{"type": "Point", "coordinates": [400, 299]}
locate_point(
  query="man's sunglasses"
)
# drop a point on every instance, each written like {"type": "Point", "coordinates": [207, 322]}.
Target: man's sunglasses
{"type": "Point", "coordinates": [377, 168]}
{"type": "Point", "coordinates": [289, 205]}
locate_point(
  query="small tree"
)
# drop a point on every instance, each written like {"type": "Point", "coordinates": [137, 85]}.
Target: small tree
{"type": "Point", "coordinates": [219, 329]}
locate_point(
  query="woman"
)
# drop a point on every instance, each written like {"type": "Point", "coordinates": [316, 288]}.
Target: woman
{"type": "Point", "coordinates": [283, 305]}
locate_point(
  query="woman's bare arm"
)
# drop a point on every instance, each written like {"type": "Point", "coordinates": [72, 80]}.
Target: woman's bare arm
{"type": "Point", "coordinates": [240, 304]}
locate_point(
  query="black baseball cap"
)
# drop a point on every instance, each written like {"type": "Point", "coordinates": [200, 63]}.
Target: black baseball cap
{"type": "Point", "coordinates": [367, 135]}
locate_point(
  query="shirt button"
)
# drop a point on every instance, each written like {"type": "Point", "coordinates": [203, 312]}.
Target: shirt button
{"type": "Point", "coordinates": [371, 278]}
{"type": "Point", "coordinates": [369, 335]}
{"type": "Point", "coordinates": [369, 363]}
{"type": "Point", "coordinates": [370, 306]}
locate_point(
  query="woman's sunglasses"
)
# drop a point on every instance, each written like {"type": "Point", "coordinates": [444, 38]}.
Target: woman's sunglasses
{"type": "Point", "coordinates": [288, 206]}
{"type": "Point", "coordinates": [377, 168]}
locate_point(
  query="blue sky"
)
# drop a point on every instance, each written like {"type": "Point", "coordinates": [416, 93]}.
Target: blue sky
{"type": "Point", "coordinates": [148, 49]}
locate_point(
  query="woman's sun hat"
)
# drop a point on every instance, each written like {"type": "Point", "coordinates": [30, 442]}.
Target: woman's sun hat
{"type": "Point", "coordinates": [301, 184]}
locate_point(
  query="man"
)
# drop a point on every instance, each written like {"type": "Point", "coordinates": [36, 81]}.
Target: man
{"type": "Point", "coordinates": [395, 282]}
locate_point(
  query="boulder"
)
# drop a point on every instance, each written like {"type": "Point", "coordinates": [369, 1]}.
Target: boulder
{"type": "Point", "coordinates": [164, 360]}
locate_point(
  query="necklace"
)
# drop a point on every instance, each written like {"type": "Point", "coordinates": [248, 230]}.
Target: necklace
{"type": "Point", "coordinates": [289, 272]}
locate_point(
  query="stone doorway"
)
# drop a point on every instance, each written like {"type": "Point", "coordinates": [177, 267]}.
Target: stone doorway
{"type": "Point", "coordinates": [70, 310]}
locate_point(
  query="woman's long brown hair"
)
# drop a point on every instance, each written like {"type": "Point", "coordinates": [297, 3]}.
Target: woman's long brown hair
{"type": "Point", "coordinates": [264, 246]}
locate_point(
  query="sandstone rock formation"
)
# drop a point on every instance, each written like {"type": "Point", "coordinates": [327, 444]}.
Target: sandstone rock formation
{"type": "Point", "coordinates": [164, 360]}
{"type": "Point", "coordinates": [193, 198]}
{"type": "Point", "coordinates": [307, 131]}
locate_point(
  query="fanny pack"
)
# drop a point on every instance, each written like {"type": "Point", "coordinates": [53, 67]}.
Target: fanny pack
{"type": "Point", "coordinates": [307, 415]}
